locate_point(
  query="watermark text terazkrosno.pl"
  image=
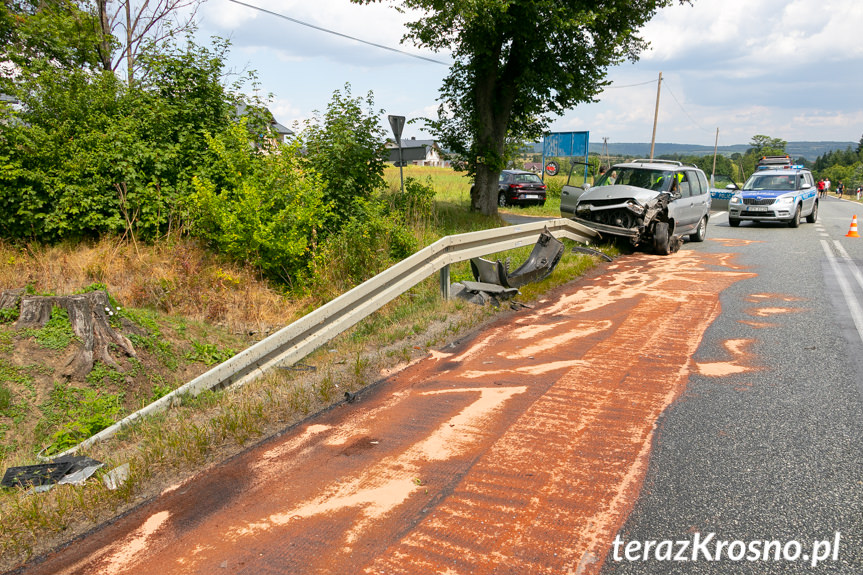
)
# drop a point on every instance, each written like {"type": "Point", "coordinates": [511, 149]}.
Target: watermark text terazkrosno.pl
{"type": "Point", "coordinates": [708, 548]}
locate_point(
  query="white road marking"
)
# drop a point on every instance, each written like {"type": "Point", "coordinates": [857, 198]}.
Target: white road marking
{"type": "Point", "coordinates": [847, 292]}
{"type": "Point", "coordinates": [855, 271]}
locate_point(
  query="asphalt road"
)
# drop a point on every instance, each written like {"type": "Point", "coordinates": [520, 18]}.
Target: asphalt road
{"type": "Point", "coordinates": [711, 395]}
{"type": "Point", "coordinates": [768, 445]}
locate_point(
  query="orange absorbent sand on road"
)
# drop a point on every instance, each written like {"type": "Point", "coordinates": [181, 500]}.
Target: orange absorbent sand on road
{"type": "Point", "coordinates": [519, 451]}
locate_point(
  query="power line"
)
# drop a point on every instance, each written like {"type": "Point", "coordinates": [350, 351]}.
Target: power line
{"type": "Point", "coordinates": [631, 85]}
{"type": "Point", "coordinates": [699, 126]}
{"type": "Point", "coordinates": [333, 32]}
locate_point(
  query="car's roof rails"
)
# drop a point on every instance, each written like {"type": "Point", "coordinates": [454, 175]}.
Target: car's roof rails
{"type": "Point", "coordinates": [646, 161]}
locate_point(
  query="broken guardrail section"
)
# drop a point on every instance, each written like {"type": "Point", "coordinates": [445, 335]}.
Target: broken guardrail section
{"type": "Point", "coordinates": [540, 263]}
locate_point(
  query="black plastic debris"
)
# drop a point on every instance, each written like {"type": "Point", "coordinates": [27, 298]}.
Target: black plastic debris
{"type": "Point", "coordinates": [350, 397]}
{"type": "Point", "coordinates": [540, 263]}
{"type": "Point", "coordinates": [35, 475]}
{"type": "Point", "coordinates": [65, 469]}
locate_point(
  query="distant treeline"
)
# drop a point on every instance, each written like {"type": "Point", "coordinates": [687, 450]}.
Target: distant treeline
{"type": "Point", "coordinates": [808, 150]}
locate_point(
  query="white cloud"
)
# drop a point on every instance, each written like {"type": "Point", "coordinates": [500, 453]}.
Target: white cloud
{"type": "Point", "coordinates": [790, 69]}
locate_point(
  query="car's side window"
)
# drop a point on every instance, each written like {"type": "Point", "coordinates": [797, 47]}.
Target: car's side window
{"type": "Point", "coordinates": [702, 181]}
{"type": "Point", "coordinates": [685, 186]}
{"type": "Point", "coordinates": [502, 178]}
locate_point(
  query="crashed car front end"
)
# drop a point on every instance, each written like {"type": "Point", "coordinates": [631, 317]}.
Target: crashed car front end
{"type": "Point", "coordinates": [628, 217]}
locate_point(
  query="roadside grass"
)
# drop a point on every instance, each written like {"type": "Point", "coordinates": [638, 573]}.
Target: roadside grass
{"type": "Point", "coordinates": [171, 447]}
{"type": "Point", "coordinates": [175, 275]}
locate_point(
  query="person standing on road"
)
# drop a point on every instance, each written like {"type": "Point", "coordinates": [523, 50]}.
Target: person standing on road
{"type": "Point", "coordinates": [827, 186]}
{"type": "Point", "coordinates": [859, 191]}
{"type": "Point", "coordinates": [820, 186]}
{"type": "Point", "coordinates": [840, 188]}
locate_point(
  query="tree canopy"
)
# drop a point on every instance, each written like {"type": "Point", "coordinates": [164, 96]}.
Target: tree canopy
{"type": "Point", "coordinates": [516, 64]}
{"type": "Point", "coordinates": [762, 145]}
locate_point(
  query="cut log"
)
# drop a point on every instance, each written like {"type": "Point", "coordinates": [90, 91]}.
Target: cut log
{"type": "Point", "coordinates": [89, 323]}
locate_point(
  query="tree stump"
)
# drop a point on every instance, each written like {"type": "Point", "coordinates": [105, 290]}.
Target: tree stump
{"type": "Point", "coordinates": [11, 298]}
{"type": "Point", "coordinates": [89, 323]}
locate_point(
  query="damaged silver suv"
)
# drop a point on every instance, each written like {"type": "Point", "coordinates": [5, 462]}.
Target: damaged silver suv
{"type": "Point", "coordinates": [653, 203]}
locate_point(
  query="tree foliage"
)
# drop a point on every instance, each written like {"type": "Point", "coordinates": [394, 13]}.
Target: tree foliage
{"type": "Point", "coordinates": [63, 32]}
{"type": "Point", "coordinates": [841, 166]}
{"type": "Point", "coordinates": [515, 65]}
{"type": "Point", "coordinates": [260, 208]}
{"type": "Point", "coordinates": [345, 145]}
{"type": "Point", "coordinates": [85, 155]}
{"type": "Point", "coordinates": [762, 145]}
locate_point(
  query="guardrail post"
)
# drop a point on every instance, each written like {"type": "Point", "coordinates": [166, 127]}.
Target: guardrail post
{"type": "Point", "coordinates": [444, 282]}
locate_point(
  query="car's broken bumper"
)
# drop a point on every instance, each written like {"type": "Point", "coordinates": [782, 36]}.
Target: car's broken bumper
{"type": "Point", "coordinates": [607, 229]}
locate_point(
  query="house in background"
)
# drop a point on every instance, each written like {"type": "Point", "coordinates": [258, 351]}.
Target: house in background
{"type": "Point", "coordinates": [282, 133]}
{"type": "Point", "coordinates": [417, 153]}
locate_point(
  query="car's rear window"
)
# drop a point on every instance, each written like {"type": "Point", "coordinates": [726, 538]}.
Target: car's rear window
{"type": "Point", "coordinates": [526, 179]}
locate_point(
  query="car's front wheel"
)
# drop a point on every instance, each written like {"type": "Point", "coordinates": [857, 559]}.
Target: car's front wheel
{"type": "Point", "coordinates": [813, 216]}
{"type": "Point", "coordinates": [795, 221]}
{"type": "Point", "coordinates": [661, 239]}
{"type": "Point", "coordinates": [501, 200]}
{"type": "Point", "coordinates": [700, 232]}
{"type": "Point", "coordinates": [733, 222]}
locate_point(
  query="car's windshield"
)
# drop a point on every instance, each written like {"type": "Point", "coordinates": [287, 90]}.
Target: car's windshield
{"type": "Point", "coordinates": [769, 182]}
{"type": "Point", "coordinates": [659, 180]}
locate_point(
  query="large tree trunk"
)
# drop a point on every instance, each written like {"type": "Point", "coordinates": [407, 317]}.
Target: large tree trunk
{"type": "Point", "coordinates": [89, 319]}
{"type": "Point", "coordinates": [494, 93]}
{"type": "Point", "coordinates": [487, 190]}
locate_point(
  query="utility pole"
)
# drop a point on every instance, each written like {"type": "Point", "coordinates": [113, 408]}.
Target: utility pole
{"type": "Point", "coordinates": [655, 115]}
{"type": "Point", "coordinates": [715, 147]}
{"type": "Point", "coordinates": [605, 149]}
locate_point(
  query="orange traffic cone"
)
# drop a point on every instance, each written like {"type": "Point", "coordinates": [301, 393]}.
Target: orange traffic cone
{"type": "Point", "coordinates": [852, 233]}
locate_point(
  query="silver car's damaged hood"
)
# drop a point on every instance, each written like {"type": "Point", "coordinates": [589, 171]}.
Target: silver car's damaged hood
{"type": "Point", "coordinates": [621, 193]}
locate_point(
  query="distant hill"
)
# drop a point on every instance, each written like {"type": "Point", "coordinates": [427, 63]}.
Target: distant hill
{"type": "Point", "coordinates": [808, 150]}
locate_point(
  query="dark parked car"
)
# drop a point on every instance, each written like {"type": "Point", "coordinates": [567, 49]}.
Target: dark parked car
{"type": "Point", "coordinates": [518, 187]}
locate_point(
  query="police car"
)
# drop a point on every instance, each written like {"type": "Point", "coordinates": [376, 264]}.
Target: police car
{"type": "Point", "coordinates": [778, 191]}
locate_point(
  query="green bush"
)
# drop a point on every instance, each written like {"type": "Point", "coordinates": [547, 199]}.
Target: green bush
{"type": "Point", "coordinates": [5, 398]}
{"type": "Point", "coordinates": [9, 314]}
{"type": "Point", "coordinates": [266, 211]}
{"type": "Point", "coordinates": [369, 243]}
{"type": "Point", "coordinates": [87, 155]}
{"type": "Point", "coordinates": [345, 146]}
{"type": "Point", "coordinates": [209, 354]}
{"type": "Point", "coordinates": [416, 203]}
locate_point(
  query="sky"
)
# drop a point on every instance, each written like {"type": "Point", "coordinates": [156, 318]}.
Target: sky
{"type": "Point", "coordinates": [789, 69]}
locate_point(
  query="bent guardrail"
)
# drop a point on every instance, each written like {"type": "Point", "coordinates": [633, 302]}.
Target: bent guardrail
{"type": "Point", "coordinates": [295, 341]}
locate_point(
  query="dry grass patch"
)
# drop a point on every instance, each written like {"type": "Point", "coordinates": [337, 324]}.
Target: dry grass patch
{"type": "Point", "coordinates": [177, 276]}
